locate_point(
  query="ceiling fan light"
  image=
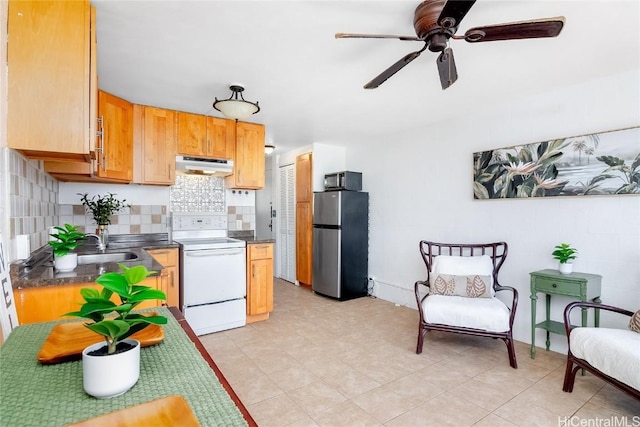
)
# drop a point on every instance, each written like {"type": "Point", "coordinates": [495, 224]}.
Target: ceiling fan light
{"type": "Point", "coordinates": [236, 107]}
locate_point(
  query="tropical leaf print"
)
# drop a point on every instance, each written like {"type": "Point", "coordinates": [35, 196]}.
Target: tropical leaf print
{"type": "Point", "coordinates": [443, 287]}
{"type": "Point", "coordinates": [475, 286]}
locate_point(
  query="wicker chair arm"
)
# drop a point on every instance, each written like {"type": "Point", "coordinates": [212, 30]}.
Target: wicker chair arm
{"type": "Point", "coordinates": [514, 301]}
{"type": "Point", "coordinates": [420, 294]}
{"type": "Point", "coordinates": [588, 304]}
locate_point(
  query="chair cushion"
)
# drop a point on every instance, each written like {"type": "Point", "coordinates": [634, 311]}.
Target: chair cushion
{"type": "Point", "coordinates": [634, 322]}
{"type": "Point", "coordinates": [615, 352]}
{"type": "Point", "coordinates": [473, 286]}
{"type": "Point", "coordinates": [488, 314]}
{"type": "Point", "coordinates": [462, 266]}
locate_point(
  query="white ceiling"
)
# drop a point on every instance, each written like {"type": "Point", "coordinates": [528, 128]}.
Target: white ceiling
{"type": "Point", "coordinates": [182, 54]}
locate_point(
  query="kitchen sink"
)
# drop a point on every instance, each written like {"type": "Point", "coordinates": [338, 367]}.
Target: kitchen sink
{"type": "Point", "coordinates": [106, 257]}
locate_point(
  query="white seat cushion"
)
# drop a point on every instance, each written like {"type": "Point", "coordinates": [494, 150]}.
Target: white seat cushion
{"type": "Point", "coordinates": [488, 314]}
{"type": "Point", "coordinates": [615, 352]}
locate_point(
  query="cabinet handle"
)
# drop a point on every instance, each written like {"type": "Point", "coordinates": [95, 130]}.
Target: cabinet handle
{"type": "Point", "coordinates": [210, 146]}
{"type": "Point", "coordinates": [253, 271]}
{"type": "Point", "coordinates": [554, 285]}
{"type": "Point", "coordinates": [99, 156]}
{"type": "Point", "coordinates": [171, 280]}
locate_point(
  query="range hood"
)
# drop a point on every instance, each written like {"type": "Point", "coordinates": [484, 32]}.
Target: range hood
{"type": "Point", "coordinates": [203, 166]}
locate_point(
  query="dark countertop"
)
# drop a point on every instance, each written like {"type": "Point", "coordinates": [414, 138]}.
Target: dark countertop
{"type": "Point", "coordinates": [42, 272]}
{"type": "Point", "coordinates": [249, 237]}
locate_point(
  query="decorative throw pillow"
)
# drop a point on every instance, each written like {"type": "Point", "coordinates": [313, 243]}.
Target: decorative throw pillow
{"type": "Point", "coordinates": [452, 265]}
{"type": "Point", "coordinates": [634, 322]}
{"type": "Point", "coordinates": [473, 286]}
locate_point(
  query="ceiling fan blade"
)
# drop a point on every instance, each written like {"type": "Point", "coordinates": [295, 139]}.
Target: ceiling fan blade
{"type": "Point", "coordinates": [382, 77]}
{"type": "Point", "coordinates": [453, 11]}
{"type": "Point", "coordinates": [534, 29]}
{"type": "Point", "coordinates": [447, 68]}
{"type": "Point", "coordinates": [375, 36]}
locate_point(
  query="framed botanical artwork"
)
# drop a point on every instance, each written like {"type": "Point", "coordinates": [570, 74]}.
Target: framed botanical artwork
{"type": "Point", "coordinates": [596, 164]}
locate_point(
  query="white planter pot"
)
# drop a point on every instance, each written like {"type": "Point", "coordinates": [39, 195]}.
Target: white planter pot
{"type": "Point", "coordinates": [104, 377]}
{"type": "Point", "coordinates": [66, 262]}
{"type": "Point", "coordinates": [566, 268]}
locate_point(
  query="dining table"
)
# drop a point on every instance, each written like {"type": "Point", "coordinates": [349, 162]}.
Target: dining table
{"type": "Point", "coordinates": [38, 394]}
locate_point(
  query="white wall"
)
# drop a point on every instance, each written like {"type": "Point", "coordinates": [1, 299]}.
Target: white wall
{"type": "Point", "coordinates": [133, 193]}
{"type": "Point", "coordinates": [420, 186]}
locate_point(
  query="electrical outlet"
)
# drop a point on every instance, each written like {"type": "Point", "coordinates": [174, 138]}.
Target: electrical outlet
{"type": "Point", "coordinates": [238, 224]}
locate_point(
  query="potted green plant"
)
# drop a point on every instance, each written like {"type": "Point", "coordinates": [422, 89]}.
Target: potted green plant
{"type": "Point", "coordinates": [112, 367]}
{"type": "Point", "coordinates": [564, 253]}
{"type": "Point", "coordinates": [65, 241]}
{"type": "Point", "coordinates": [101, 208]}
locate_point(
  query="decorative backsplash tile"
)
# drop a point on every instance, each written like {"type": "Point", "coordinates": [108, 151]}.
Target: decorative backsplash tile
{"type": "Point", "coordinates": [241, 218]}
{"type": "Point", "coordinates": [192, 193]}
{"type": "Point", "coordinates": [33, 196]}
{"type": "Point", "coordinates": [138, 219]}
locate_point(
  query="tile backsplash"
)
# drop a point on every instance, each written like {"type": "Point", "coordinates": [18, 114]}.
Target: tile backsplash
{"type": "Point", "coordinates": [34, 208]}
{"type": "Point", "coordinates": [134, 220]}
{"type": "Point", "coordinates": [33, 196]}
{"type": "Point", "coordinates": [194, 193]}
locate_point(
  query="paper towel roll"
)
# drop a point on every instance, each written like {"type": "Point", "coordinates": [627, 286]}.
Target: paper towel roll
{"type": "Point", "coordinates": [23, 246]}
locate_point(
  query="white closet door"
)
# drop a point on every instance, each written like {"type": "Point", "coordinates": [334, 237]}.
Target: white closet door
{"type": "Point", "coordinates": [287, 223]}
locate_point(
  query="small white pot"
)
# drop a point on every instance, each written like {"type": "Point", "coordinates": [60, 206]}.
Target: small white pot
{"type": "Point", "coordinates": [66, 262]}
{"type": "Point", "coordinates": [566, 268]}
{"type": "Point", "coordinates": [109, 376]}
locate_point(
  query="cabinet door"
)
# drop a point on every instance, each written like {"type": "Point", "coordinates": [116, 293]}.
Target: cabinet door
{"type": "Point", "coordinates": [170, 274]}
{"type": "Point", "coordinates": [304, 242]}
{"type": "Point", "coordinates": [248, 167]}
{"type": "Point", "coordinates": [115, 150]}
{"type": "Point", "coordinates": [304, 188]}
{"type": "Point", "coordinates": [260, 293]}
{"type": "Point", "coordinates": [221, 138]}
{"type": "Point", "coordinates": [159, 146]}
{"type": "Point", "coordinates": [192, 133]}
{"type": "Point", "coordinates": [48, 79]}
{"type": "Point", "coordinates": [48, 303]}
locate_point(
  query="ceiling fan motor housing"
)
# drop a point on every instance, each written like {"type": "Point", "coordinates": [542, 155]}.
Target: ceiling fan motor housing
{"type": "Point", "coordinates": [425, 23]}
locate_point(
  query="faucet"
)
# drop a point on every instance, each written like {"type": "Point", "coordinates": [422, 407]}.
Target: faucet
{"type": "Point", "coordinates": [100, 245]}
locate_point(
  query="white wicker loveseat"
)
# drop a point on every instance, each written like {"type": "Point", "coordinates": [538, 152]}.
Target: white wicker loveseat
{"type": "Point", "coordinates": [610, 354]}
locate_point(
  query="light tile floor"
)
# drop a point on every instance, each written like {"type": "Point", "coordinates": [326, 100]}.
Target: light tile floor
{"type": "Point", "coordinates": [320, 362]}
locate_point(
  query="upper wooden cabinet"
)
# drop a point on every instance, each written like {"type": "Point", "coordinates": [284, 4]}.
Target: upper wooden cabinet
{"type": "Point", "coordinates": [248, 166]}
{"type": "Point", "coordinates": [154, 145]}
{"type": "Point", "coordinates": [304, 219]}
{"type": "Point", "coordinates": [49, 79]}
{"type": "Point", "coordinates": [304, 187]}
{"type": "Point", "coordinates": [205, 136]}
{"type": "Point", "coordinates": [114, 149]}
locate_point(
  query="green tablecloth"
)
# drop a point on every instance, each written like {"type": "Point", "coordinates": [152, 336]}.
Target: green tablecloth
{"type": "Point", "coordinates": [32, 394]}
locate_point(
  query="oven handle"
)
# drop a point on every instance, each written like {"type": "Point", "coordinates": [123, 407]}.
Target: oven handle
{"type": "Point", "coordinates": [213, 252]}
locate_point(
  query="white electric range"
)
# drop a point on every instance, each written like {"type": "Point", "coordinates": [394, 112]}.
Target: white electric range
{"type": "Point", "coordinates": [213, 272]}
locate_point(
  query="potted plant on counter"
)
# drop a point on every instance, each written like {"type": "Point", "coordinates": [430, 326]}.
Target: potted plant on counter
{"type": "Point", "coordinates": [65, 241]}
{"type": "Point", "coordinates": [112, 367]}
{"type": "Point", "coordinates": [564, 253]}
{"type": "Point", "coordinates": [101, 208]}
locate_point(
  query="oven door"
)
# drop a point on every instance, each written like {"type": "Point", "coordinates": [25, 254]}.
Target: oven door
{"type": "Point", "coordinates": [213, 275]}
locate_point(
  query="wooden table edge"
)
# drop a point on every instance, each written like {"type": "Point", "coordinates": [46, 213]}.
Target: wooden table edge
{"type": "Point", "coordinates": [225, 384]}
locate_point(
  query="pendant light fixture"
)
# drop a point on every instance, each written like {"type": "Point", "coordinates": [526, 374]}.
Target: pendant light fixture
{"type": "Point", "coordinates": [235, 107]}
{"type": "Point", "coordinates": [268, 149]}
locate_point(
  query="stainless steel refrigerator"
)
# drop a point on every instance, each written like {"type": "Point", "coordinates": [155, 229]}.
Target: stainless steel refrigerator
{"type": "Point", "coordinates": [340, 244]}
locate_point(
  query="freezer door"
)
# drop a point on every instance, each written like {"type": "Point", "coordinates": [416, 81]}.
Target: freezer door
{"type": "Point", "coordinates": [326, 207]}
{"type": "Point", "coordinates": [326, 261]}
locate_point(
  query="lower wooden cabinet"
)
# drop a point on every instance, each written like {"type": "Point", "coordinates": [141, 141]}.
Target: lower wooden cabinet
{"type": "Point", "coordinates": [47, 303]}
{"type": "Point", "coordinates": [259, 281]}
{"type": "Point", "coordinates": [170, 277]}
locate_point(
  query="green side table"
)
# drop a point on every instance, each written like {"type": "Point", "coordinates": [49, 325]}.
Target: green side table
{"type": "Point", "coordinates": [582, 286]}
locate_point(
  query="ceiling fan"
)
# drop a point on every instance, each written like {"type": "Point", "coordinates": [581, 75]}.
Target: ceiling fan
{"type": "Point", "coordinates": [436, 21]}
